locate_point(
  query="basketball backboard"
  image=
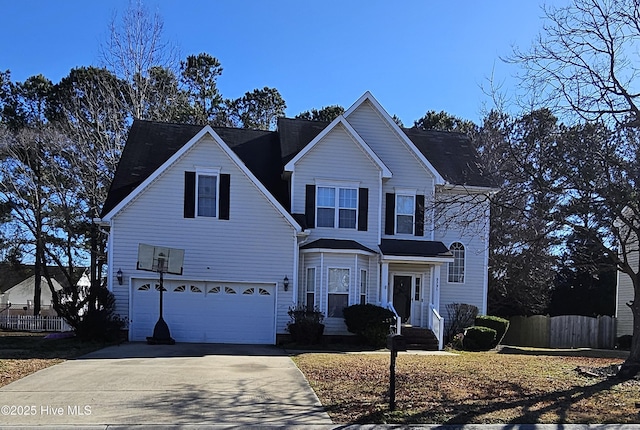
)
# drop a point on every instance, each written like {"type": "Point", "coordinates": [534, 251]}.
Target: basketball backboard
{"type": "Point", "coordinates": [160, 259]}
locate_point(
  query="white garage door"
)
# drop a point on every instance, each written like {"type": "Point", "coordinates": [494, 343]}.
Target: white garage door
{"type": "Point", "coordinates": [205, 311]}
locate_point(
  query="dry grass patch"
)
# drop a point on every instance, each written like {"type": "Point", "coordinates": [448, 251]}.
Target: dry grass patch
{"type": "Point", "coordinates": [469, 388]}
{"type": "Point", "coordinates": [22, 354]}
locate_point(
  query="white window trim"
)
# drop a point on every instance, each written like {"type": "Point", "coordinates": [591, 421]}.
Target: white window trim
{"type": "Point", "coordinates": [337, 185]}
{"type": "Point", "coordinates": [208, 171]}
{"type": "Point", "coordinates": [405, 193]}
{"type": "Point", "coordinates": [348, 293]}
{"type": "Point", "coordinates": [464, 266]}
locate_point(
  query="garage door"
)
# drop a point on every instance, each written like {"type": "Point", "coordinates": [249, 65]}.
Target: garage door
{"type": "Point", "coordinates": [205, 311]}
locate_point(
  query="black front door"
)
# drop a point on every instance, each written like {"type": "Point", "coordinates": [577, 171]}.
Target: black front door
{"type": "Point", "coordinates": [402, 296]}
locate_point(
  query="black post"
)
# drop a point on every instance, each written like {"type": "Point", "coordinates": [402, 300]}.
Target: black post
{"type": "Point", "coordinates": [392, 380]}
{"type": "Point", "coordinates": [161, 333]}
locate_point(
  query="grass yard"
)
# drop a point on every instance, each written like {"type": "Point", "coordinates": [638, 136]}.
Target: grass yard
{"type": "Point", "coordinates": [24, 353]}
{"type": "Point", "coordinates": [471, 388]}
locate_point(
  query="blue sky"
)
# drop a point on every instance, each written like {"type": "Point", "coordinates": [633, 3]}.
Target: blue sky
{"type": "Point", "coordinates": [414, 56]}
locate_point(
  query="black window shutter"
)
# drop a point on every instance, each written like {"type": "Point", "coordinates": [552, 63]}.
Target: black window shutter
{"type": "Point", "coordinates": [363, 208]}
{"type": "Point", "coordinates": [310, 206]}
{"type": "Point", "coordinates": [390, 214]}
{"type": "Point", "coordinates": [189, 194]}
{"type": "Point", "coordinates": [225, 191]}
{"type": "Point", "coordinates": [419, 215]}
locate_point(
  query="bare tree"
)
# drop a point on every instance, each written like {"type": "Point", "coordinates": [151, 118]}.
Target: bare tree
{"type": "Point", "coordinates": [135, 46]}
{"type": "Point", "coordinates": [586, 61]}
{"type": "Point", "coordinates": [586, 64]}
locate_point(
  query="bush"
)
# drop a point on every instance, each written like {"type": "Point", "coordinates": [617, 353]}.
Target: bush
{"type": "Point", "coordinates": [101, 323]}
{"type": "Point", "coordinates": [500, 325]}
{"type": "Point", "coordinates": [624, 342]}
{"type": "Point", "coordinates": [459, 316]}
{"type": "Point", "coordinates": [306, 326]}
{"type": "Point", "coordinates": [370, 322]}
{"type": "Point", "coordinates": [479, 338]}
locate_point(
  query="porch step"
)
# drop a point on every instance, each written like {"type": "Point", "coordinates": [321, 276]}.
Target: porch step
{"type": "Point", "coordinates": [420, 338]}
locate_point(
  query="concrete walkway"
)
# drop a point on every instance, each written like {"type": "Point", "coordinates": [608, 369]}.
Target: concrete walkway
{"type": "Point", "coordinates": [182, 384]}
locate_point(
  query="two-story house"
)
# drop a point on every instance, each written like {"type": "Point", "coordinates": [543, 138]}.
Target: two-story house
{"type": "Point", "coordinates": [326, 215]}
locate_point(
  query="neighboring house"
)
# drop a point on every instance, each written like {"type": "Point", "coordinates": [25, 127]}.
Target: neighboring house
{"type": "Point", "coordinates": [21, 296]}
{"type": "Point", "coordinates": [317, 214]}
{"type": "Point", "coordinates": [625, 293]}
{"type": "Point", "coordinates": [19, 289]}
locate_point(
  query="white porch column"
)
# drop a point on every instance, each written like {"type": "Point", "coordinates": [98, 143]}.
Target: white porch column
{"type": "Point", "coordinates": [384, 282]}
{"type": "Point", "coordinates": [435, 290]}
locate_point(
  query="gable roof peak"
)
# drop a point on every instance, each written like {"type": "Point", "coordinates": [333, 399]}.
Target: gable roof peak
{"type": "Point", "coordinates": [367, 96]}
{"type": "Point", "coordinates": [340, 120]}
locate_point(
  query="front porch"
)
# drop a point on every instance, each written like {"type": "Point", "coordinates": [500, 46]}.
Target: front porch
{"type": "Point", "coordinates": [410, 275]}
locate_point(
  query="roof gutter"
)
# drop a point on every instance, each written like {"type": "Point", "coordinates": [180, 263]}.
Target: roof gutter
{"type": "Point", "coordinates": [470, 189]}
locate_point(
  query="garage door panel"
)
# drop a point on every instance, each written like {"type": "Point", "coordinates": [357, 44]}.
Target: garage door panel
{"type": "Point", "coordinates": [207, 312]}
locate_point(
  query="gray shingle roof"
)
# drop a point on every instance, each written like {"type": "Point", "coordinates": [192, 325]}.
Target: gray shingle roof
{"type": "Point", "coordinates": [414, 248]}
{"type": "Point", "coordinates": [152, 143]}
{"type": "Point", "coordinates": [337, 244]}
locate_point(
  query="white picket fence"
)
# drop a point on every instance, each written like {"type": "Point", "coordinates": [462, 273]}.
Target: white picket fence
{"type": "Point", "coordinates": [34, 323]}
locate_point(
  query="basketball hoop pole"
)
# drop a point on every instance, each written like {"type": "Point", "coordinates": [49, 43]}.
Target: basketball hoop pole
{"type": "Point", "coordinates": [161, 333]}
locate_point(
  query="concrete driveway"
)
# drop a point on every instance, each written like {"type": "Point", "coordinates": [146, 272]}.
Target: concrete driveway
{"type": "Point", "coordinates": [182, 384]}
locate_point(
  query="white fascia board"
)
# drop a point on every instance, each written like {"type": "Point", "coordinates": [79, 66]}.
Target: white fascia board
{"type": "Point", "coordinates": [469, 189]}
{"type": "Point", "coordinates": [207, 130]}
{"type": "Point", "coordinates": [392, 124]}
{"type": "Point", "coordinates": [386, 173]}
{"type": "Point", "coordinates": [405, 259]}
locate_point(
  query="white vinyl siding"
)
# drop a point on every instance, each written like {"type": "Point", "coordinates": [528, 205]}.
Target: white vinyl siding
{"type": "Point", "coordinates": [474, 236]}
{"type": "Point", "coordinates": [214, 251]}
{"type": "Point", "coordinates": [338, 161]}
{"type": "Point", "coordinates": [625, 294]}
{"type": "Point", "coordinates": [408, 171]}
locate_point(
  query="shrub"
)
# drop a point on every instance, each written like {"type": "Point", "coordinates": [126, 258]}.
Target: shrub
{"type": "Point", "coordinates": [624, 342]}
{"type": "Point", "coordinates": [478, 338]}
{"type": "Point", "coordinates": [101, 323]}
{"type": "Point", "coordinates": [370, 322]}
{"type": "Point", "coordinates": [500, 325]}
{"type": "Point", "coordinates": [459, 316]}
{"type": "Point", "coordinates": [306, 326]}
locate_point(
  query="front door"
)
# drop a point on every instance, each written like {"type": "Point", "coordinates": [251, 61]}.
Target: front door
{"type": "Point", "coordinates": [402, 296]}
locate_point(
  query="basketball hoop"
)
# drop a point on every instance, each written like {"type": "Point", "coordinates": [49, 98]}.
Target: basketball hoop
{"type": "Point", "coordinates": [161, 260]}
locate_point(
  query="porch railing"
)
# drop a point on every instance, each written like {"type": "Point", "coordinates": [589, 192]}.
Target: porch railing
{"type": "Point", "coordinates": [398, 319]}
{"type": "Point", "coordinates": [436, 323]}
{"type": "Point", "coordinates": [34, 323]}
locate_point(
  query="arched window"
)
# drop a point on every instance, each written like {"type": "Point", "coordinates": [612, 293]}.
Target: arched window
{"type": "Point", "coordinates": [456, 269]}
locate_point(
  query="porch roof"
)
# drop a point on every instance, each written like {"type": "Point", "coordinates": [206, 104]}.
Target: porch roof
{"type": "Point", "coordinates": [415, 250]}
{"type": "Point", "coordinates": [337, 244]}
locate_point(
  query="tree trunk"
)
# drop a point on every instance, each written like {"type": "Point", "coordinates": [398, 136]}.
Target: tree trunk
{"type": "Point", "coordinates": [631, 366]}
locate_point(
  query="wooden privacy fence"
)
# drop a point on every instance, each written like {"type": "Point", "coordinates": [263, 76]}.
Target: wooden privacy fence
{"type": "Point", "coordinates": [565, 331]}
{"type": "Point", "coordinates": [33, 323]}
